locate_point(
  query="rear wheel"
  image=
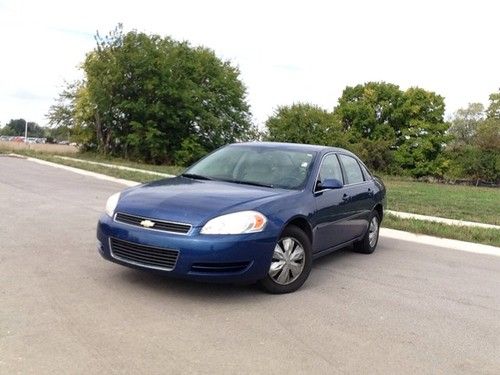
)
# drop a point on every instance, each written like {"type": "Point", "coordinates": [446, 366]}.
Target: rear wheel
{"type": "Point", "coordinates": [369, 242]}
{"type": "Point", "coordinates": [291, 263]}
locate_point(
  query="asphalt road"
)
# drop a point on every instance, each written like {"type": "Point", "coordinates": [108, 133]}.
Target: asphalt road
{"type": "Point", "coordinates": [407, 308]}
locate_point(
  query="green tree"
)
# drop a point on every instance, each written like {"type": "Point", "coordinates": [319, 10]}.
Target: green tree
{"type": "Point", "coordinates": [464, 124]}
{"type": "Point", "coordinates": [493, 110]}
{"type": "Point", "coordinates": [17, 127]}
{"type": "Point", "coordinates": [409, 124]}
{"type": "Point", "coordinates": [143, 95]}
{"type": "Point", "coordinates": [304, 123]}
{"type": "Point", "coordinates": [371, 111]}
{"type": "Point", "coordinates": [475, 151]}
{"type": "Point", "coordinates": [423, 135]}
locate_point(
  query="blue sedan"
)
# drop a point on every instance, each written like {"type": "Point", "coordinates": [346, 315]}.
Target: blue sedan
{"type": "Point", "coordinates": [248, 212]}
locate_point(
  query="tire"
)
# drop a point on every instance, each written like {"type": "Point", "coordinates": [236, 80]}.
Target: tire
{"type": "Point", "coordinates": [288, 254]}
{"type": "Point", "coordinates": [369, 243]}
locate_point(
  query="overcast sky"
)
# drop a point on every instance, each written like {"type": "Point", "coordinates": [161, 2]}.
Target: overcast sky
{"type": "Point", "coordinates": [287, 51]}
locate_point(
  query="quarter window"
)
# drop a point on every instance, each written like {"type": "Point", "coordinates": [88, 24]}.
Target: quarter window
{"type": "Point", "coordinates": [366, 172]}
{"type": "Point", "coordinates": [330, 168]}
{"type": "Point", "coordinates": [352, 170]}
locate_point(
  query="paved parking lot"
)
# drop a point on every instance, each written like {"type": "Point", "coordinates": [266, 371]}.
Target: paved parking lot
{"type": "Point", "coordinates": [408, 308]}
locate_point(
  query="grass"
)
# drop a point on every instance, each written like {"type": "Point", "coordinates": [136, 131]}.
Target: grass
{"type": "Point", "coordinates": [470, 234]}
{"type": "Point", "coordinates": [470, 203]}
{"type": "Point", "coordinates": [128, 175]}
{"type": "Point", "coordinates": [118, 173]}
{"type": "Point", "coordinates": [169, 169]}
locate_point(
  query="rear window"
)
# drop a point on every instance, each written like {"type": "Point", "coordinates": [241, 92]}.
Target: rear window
{"type": "Point", "coordinates": [352, 170]}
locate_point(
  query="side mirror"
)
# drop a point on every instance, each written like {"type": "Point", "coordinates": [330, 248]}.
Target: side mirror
{"type": "Point", "coordinates": [330, 183]}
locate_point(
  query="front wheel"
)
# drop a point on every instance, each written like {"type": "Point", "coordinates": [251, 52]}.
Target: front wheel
{"type": "Point", "coordinates": [291, 263]}
{"type": "Point", "coordinates": [369, 242]}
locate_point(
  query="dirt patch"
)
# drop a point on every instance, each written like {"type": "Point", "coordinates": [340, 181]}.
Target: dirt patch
{"type": "Point", "coordinates": [50, 148]}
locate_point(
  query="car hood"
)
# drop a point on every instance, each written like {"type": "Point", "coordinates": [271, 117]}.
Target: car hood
{"type": "Point", "coordinates": [194, 202]}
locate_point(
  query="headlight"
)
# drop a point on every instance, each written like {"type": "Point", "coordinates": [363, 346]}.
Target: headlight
{"type": "Point", "coordinates": [111, 204]}
{"type": "Point", "coordinates": [236, 223]}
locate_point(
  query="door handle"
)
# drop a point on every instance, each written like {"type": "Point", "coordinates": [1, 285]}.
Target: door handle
{"type": "Point", "coordinates": [370, 192]}
{"type": "Point", "coordinates": [345, 197]}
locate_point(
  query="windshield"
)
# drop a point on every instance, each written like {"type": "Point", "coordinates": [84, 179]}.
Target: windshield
{"type": "Point", "coordinates": [254, 165]}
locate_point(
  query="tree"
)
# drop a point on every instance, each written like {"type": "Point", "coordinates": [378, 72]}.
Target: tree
{"type": "Point", "coordinates": [17, 127]}
{"type": "Point", "coordinates": [304, 123]}
{"type": "Point", "coordinates": [423, 134]}
{"type": "Point", "coordinates": [370, 111]}
{"type": "Point", "coordinates": [493, 110]}
{"type": "Point", "coordinates": [410, 123]}
{"type": "Point", "coordinates": [488, 135]}
{"type": "Point", "coordinates": [464, 124]}
{"type": "Point", "coordinates": [62, 113]}
{"type": "Point", "coordinates": [488, 132]}
{"type": "Point", "coordinates": [475, 151]}
{"type": "Point", "coordinates": [143, 95]}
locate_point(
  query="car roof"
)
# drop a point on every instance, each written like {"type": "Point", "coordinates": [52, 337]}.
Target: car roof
{"type": "Point", "coordinates": [294, 146]}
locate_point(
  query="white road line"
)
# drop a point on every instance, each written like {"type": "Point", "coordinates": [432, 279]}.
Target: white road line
{"type": "Point", "coordinates": [469, 247]}
{"type": "Point", "coordinates": [115, 166]}
{"type": "Point", "coordinates": [407, 215]}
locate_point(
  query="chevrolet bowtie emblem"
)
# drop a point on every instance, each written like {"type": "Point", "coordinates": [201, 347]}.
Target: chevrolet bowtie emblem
{"type": "Point", "coordinates": [147, 223]}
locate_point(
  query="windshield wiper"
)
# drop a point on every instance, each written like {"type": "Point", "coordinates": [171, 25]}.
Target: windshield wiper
{"type": "Point", "coordinates": [249, 183]}
{"type": "Point", "coordinates": [196, 176]}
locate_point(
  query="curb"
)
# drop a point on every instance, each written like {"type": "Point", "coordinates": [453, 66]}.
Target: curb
{"type": "Point", "coordinates": [470, 247]}
{"type": "Point", "coordinates": [78, 171]}
{"type": "Point", "coordinates": [436, 219]}
{"type": "Point", "coordinates": [116, 166]}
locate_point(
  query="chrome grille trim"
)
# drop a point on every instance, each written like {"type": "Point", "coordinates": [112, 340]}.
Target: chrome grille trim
{"type": "Point", "coordinates": [160, 225]}
{"type": "Point", "coordinates": [143, 255]}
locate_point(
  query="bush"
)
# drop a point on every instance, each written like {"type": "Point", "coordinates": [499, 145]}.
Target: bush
{"type": "Point", "coordinates": [473, 163]}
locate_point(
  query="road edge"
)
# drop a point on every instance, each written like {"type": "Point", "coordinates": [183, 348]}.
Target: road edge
{"type": "Point", "coordinates": [470, 247]}
{"type": "Point", "coordinates": [77, 170]}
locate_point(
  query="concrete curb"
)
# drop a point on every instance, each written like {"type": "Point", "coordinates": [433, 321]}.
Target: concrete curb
{"type": "Point", "coordinates": [470, 247]}
{"type": "Point", "coordinates": [79, 171]}
{"type": "Point", "coordinates": [116, 166]}
{"type": "Point", "coordinates": [407, 215]}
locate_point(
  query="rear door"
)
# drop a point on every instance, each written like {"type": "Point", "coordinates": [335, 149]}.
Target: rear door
{"type": "Point", "coordinates": [359, 189]}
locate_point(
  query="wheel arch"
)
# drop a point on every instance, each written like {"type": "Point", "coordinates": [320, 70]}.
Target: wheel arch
{"type": "Point", "coordinates": [302, 223]}
{"type": "Point", "coordinates": [380, 210]}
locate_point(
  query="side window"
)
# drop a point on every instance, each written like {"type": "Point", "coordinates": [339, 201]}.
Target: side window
{"type": "Point", "coordinates": [366, 172]}
{"type": "Point", "coordinates": [352, 170]}
{"type": "Point", "coordinates": [330, 168]}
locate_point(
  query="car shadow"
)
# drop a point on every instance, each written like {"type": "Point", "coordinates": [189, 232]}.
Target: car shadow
{"type": "Point", "coordinates": [334, 257]}
{"type": "Point", "coordinates": [175, 286]}
{"type": "Point", "coordinates": [211, 291]}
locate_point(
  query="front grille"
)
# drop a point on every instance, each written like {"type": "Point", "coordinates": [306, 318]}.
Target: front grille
{"type": "Point", "coordinates": [142, 255]}
{"type": "Point", "coordinates": [166, 226]}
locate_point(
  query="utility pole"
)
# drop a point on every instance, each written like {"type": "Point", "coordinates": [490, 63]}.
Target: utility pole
{"type": "Point", "coordinates": [26, 131]}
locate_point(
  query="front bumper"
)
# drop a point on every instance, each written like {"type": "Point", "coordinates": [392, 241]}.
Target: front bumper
{"type": "Point", "coordinates": [219, 258]}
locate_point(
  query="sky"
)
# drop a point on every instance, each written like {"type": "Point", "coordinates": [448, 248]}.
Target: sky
{"type": "Point", "coordinates": [287, 51]}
